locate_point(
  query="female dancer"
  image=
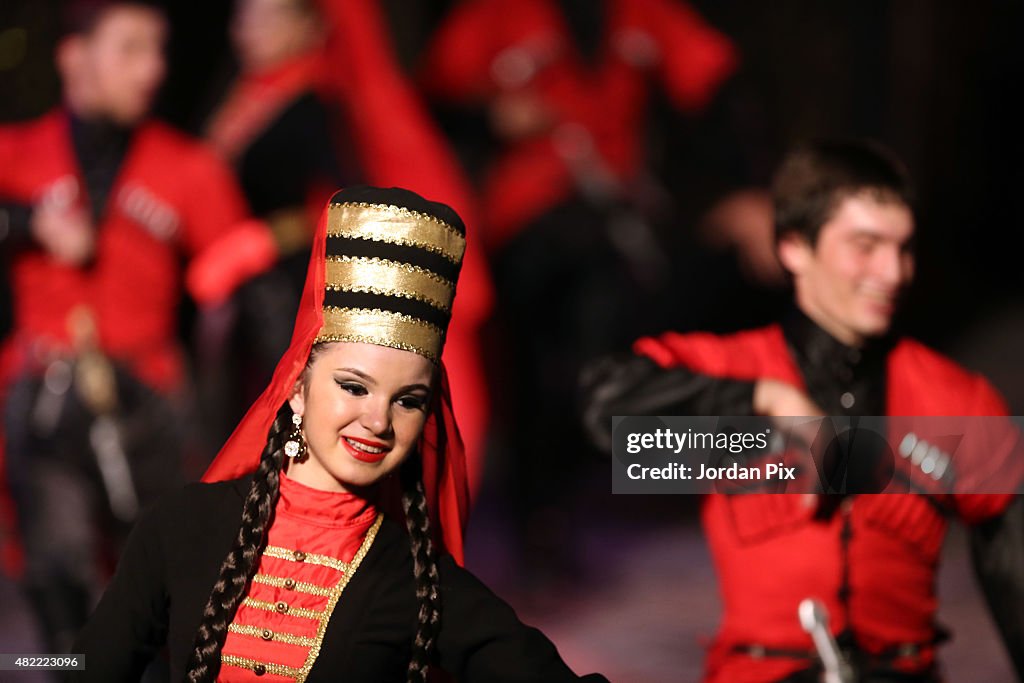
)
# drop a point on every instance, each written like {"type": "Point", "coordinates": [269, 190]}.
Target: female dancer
{"type": "Point", "coordinates": [328, 547]}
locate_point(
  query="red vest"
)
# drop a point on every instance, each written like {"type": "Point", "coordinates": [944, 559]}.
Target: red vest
{"type": "Point", "coordinates": [770, 553]}
{"type": "Point", "coordinates": [172, 200]}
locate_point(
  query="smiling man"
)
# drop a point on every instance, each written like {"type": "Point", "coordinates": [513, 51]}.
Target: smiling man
{"type": "Point", "coordinates": [844, 230]}
{"type": "Point", "coordinates": [850, 279]}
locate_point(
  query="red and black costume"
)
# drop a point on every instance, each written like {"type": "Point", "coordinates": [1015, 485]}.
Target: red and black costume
{"type": "Point", "coordinates": [167, 198]}
{"type": "Point", "coordinates": [172, 560]}
{"type": "Point", "coordinates": [871, 559]}
{"type": "Point", "coordinates": [598, 105]}
{"type": "Point", "coordinates": [275, 127]}
{"type": "Point", "coordinates": [156, 199]}
{"type": "Point", "coordinates": [565, 200]}
{"type": "Point", "coordinates": [317, 537]}
{"type": "Point", "coordinates": [334, 596]}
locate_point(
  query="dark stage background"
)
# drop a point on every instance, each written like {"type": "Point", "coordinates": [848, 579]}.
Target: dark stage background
{"type": "Point", "coordinates": [939, 83]}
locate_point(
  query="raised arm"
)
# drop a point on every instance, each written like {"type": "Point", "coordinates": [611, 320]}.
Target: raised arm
{"type": "Point", "coordinates": [636, 385]}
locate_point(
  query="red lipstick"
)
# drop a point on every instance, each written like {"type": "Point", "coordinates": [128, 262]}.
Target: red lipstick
{"type": "Point", "coordinates": [363, 456]}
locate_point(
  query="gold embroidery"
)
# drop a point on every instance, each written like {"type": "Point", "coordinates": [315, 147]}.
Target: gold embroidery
{"type": "Point", "coordinates": [269, 667]}
{"type": "Point", "coordinates": [279, 553]}
{"type": "Point", "coordinates": [302, 612]}
{"type": "Point", "coordinates": [314, 651]}
{"type": "Point", "coordinates": [298, 586]}
{"type": "Point", "coordinates": [262, 633]}
{"type": "Point", "coordinates": [384, 328]}
{"type": "Point", "coordinates": [388, 262]}
{"type": "Point", "coordinates": [391, 278]}
{"type": "Point", "coordinates": [324, 617]}
{"type": "Point", "coordinates": [356, 338]}
{"type": "Point", "coordinates": [395, 225]}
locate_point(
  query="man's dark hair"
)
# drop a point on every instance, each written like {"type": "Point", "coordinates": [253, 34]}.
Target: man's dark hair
{"type": "Point", "coordinates": [814, 178]}
{"type": "Point", "coordinates": [80, 17]}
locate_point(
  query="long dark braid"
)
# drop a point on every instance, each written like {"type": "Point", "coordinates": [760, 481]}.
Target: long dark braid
{"type": "Point", "coordinates": [428, 592]}
{"type": "Point", "coordinates": [241, 562]}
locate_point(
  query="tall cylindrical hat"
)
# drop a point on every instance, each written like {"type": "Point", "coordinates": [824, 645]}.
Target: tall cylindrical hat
{"type": "Point", "coordinates": [383, 270]}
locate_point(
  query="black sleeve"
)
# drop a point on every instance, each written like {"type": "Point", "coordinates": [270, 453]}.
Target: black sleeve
{"type": "Point", "coordinates": [130, 623]}
{"type": "Point", "coordinates": [319, 146]}
{"type": "Point", "coordinates": [483, 641]}
{"type": "Point", "coordinates": [636, 385]}
{"type": "Point", "coordinates": [997, 549]}
{"type": "Point", "coordinates": [296, 152]}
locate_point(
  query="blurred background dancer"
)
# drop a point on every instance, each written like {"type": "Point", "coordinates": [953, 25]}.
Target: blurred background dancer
{"type": "Point", "coordinates": [104, 204]}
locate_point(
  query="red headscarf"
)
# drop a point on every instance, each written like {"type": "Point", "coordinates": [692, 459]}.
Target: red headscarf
{"type": "Point", "coordinates": [444, 463]}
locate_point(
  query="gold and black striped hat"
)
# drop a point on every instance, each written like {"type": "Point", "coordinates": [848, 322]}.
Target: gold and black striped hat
{"type": "Point", "coordinates": [392, 262]}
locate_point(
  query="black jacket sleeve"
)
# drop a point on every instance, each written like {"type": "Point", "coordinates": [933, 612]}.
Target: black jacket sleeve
{"type": "Point", "coordinates": [997, 549]}
{"type": "Point", "coordinates": [482, 640]}
{"type": "Point", "coordinates": [295, 153]}
{"type": "Point", "coordinates": [635, 385]}
{"type": "Point", "coordinates": [130, 623]}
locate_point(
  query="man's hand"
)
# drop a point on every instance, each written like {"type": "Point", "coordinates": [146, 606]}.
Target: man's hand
{"type": "Point", "coordinates": [66, 232]}
{"type": "Point", "coordinates": [774, 398]}
{"type": "Point", "coordinates": [743, 220]}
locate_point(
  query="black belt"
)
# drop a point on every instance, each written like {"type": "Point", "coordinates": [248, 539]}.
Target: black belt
{"type": "Point", "coordinates": [813, 675]}
{"type": "Point", "coordinates": [870, 667]}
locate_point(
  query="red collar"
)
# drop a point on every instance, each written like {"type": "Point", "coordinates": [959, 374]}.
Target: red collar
{"type": "Point", "coordinates": [330, 509]}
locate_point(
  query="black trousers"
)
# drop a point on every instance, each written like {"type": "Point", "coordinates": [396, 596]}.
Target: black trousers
{"type": "Point", "coordinates": [70, 533]}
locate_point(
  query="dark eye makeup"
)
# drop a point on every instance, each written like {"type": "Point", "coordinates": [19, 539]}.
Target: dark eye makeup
{"type": "Point", "coordinates": [412, 402]}
{"type": "Point", "coordinates": [408, 401]}
{"type": "Point", "coordinates": [354, 388]}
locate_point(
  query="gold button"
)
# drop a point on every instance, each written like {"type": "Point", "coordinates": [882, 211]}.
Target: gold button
{"type": "Point", "coordinates": [282, 607]}
{"type": "Point", "coordinates": [289, 584]}
{"type": "Point", "coordinates": [299, 556]}
{"type": "Point", "coordinates": [267, 634]}
{"type": "Point", "coordinates": [259, 669]}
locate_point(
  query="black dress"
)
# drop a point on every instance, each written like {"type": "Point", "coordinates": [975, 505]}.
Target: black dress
{"type": "Point", "coordinates": [173, 558]}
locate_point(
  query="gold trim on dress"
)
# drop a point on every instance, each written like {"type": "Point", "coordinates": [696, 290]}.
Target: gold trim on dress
{"type": "Point", "coordinates": [262, 634]}
{"type": "Point", "coordinates": [383, 328]}
{"type": "Point", "coordinates": [302, 673]}
{"type": "Point", "coordinates": [268, 667]}
{"type": "Point", "coordinates": [391, 278]}
{"type": "Point", "coordinates": [279, 553]}
{"type": "Point", "coordinates": [339, 588]}
{"type": "Point", "coordinates": [297, 586]}
{"type": "Point", "coordinates": [282, 607]}
{"type": "Point", "coordinates": [395, 225]}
